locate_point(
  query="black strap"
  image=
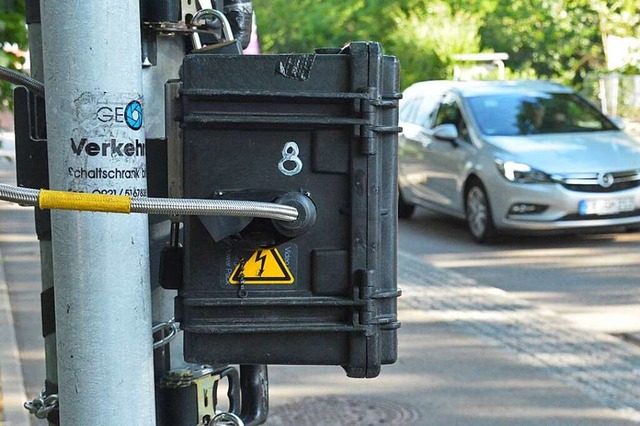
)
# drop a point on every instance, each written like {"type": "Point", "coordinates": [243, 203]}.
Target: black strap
{"type": "Point", "coordinates": [47, 305]}
{"type": "Point", "coordinates": [50, 389]}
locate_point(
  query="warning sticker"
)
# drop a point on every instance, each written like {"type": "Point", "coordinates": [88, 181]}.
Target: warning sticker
{"type": "Point", "coordinates": [263, 267]}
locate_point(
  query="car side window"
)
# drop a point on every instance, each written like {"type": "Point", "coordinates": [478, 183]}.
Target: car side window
{"type": "Point", "coordinates": [407, 112]}
{"type": "Point", "coordinates": [425, 111]}
{"type": "Point", "coordinates": [463, 130]}
{"type": "Point", "coordinates": [449, 113]}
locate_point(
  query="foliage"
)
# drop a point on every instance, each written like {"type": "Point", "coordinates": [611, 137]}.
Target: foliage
{"type": "Point", "coordinates": [553, 39]}
{"type": "Point", "coordinates": [423, 34]}
{"type": "Point", "coordinates": [436, 34]}
{"type": "Point", "coordinates": [13, 37]}
{"type": "Point", "coordinates": [550, 37]}
{"type": "Point", "coordinates": [629, 69]}
{"type": "Point", "coordinates": [301, 26]}
{"type": "Point", "coordinates": [620, 17]}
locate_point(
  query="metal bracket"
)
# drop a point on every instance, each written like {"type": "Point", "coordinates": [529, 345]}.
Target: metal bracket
{"type": "Point", "coordinates": [206, 379]}
{"type": "Point", "coordinates": [174, 138]}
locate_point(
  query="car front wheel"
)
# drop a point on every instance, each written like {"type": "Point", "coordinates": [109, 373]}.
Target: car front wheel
{"type": "Point", "coordinates": [478, 212]}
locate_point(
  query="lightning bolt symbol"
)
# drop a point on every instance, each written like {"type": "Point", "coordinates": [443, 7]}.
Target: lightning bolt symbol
{"type": "Point", "coordinates": [261, 258]}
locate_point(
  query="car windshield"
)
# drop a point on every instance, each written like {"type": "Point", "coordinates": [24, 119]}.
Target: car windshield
{"type": "Point", "coordinates": [513, 114]}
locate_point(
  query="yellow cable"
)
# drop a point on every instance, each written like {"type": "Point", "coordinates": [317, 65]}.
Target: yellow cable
{"type": "Point", "coordinates": [86, 202]}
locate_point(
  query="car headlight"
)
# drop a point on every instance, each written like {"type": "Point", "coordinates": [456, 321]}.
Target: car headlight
{"type": "Point", "coordinates": [521, 173]}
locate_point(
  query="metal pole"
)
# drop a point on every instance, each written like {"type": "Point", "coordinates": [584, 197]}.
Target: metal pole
{"type": "Point", "coordinates": [46, 258]}
{"type": "Point", "coordinates": [96, 143]}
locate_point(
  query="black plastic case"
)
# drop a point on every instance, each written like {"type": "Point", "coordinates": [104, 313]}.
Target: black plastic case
{"type": "Point", "coordinates": [338, 304]}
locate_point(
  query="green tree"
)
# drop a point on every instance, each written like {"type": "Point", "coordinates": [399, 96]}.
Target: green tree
{"type": "Point", "coordinates": [423, 34]}
{"type": "Point", "coordinates": [300, 26]}
{"type": "Point", "coordinates": [538, 34]}
{"type": "Point", "coordinates": [427, 36]}
{"type": "Point", "coordinates": [13, 37]}
{"type": "Point", "coordinates": [616, 18]}
{"type": "Point", "coordinates": [558, 38]}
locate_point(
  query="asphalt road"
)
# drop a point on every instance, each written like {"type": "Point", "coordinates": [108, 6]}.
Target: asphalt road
{"type": "Point", "coordinates": [592, 280]}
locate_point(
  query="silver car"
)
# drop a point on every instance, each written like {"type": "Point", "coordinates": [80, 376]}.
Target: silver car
{"type": "Point", "coordinates": [516, 156]}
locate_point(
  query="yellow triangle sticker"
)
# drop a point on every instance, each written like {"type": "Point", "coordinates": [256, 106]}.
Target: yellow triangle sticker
{"type": "Point", "coordinates": [263, 267]}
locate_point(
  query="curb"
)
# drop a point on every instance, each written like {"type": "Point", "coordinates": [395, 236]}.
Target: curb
{"type": "Point", "coordinates": [12, 391]}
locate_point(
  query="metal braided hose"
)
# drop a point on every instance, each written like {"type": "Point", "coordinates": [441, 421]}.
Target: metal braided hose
{"type": "Point", "coordinates": [195, 207]}
{"type": "Point", "coordinates": [20, 79]}
{"type": "Point", "coordinates": [46, 199]}
{"type": "Point", "coordinates": [23, 196]}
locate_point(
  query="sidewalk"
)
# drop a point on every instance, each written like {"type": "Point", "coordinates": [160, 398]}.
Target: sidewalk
{"type": "Point", "coordinates": [21, 344]}
{"type": "Point", "coordinates": [473, 355]}
{"type": "Point", "coordinates": [12, 391]}
{"type": "Point", "coordinates": [470, 354]}
{"type": "Point", "coordinates": [443, 377]}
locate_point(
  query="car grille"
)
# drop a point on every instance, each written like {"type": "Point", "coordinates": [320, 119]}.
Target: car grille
{"type": "Point", "coordinates": [590, 182]}
{"type": "Point", "coordinates": [596, 217]}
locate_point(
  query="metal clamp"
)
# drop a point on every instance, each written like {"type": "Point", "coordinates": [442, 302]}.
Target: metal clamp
{"type": "Point", "coordinates": [42, 405]}
{"type": "Point", "coordinates": [226, 27]}
{"type": "Point", "coordinates": [173, 332]}
{"type": "Point", "coordinates": [204, 379]}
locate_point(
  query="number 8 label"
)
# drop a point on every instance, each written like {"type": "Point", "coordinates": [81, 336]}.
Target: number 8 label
{"type": "Point", "coordinates": [290, 154]}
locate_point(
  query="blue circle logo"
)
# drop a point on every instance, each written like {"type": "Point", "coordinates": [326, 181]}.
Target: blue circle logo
{"type": "Point", "coordinates": [133, 115]}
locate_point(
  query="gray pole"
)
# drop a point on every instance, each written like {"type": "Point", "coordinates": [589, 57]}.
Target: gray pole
{"type": "Point", "coordinates": [96, 144]}
{"type": "Point", "coordinates": [46, 260]}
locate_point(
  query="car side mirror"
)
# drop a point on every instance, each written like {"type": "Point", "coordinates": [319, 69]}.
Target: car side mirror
{"type": "Point", "coordinates": [445, 132]}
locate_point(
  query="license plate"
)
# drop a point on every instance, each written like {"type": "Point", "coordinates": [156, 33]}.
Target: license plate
{"type": "Point", "coordinates": [606, 206]}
